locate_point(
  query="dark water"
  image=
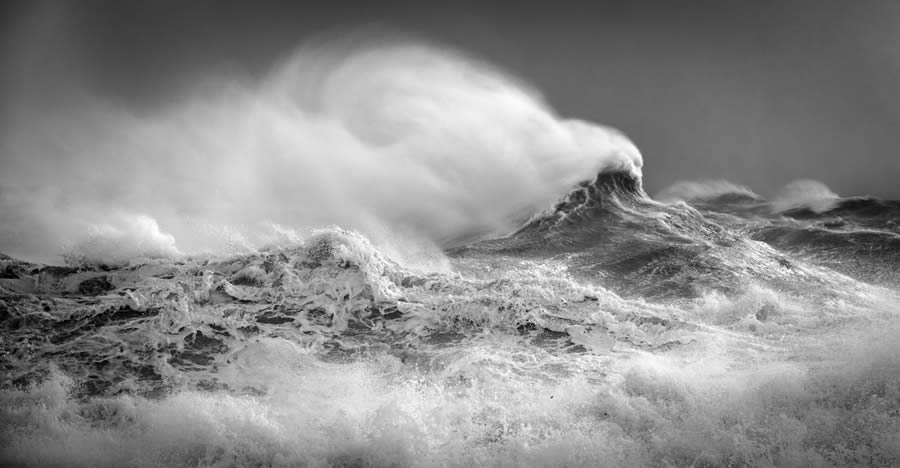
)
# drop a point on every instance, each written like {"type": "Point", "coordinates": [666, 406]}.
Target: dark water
{"type": "Point", "coordinates": [610, 330]}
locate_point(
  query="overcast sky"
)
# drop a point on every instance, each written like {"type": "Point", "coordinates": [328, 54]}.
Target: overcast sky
{"type": "Point", "coordinates": [759, 93]}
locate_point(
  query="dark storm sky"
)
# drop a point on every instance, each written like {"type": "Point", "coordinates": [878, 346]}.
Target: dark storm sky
{"type": "Point", "coordinates": [759, 93]}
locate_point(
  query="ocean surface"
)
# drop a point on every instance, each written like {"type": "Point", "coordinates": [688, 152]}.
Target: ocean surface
{"type": "Point", "coordinates": [712, 328]}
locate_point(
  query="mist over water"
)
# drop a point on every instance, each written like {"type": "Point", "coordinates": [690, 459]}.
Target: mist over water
{"type": "Point", "coordinates": [393, 138]}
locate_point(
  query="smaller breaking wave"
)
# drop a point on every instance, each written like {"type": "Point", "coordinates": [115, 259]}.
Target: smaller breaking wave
{"type": "Point", "coordinates": [805, 194]}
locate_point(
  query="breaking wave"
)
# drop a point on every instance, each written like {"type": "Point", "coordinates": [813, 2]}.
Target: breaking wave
{"type": "Point", "coordinates": [805, 194]}
{"type": "Point", "coordinates": [389, 137]}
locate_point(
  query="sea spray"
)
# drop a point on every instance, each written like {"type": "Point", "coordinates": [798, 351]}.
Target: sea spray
{"type": "Point", "coordinates": [394, 138]}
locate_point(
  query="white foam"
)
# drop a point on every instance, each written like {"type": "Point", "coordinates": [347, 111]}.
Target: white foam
{"type": "Point", "coordinates": [490, 404]}
{"type": "Point", "coordinates": [656, 384]}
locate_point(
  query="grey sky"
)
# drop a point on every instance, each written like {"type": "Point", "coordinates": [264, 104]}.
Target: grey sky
{"type": "Point", "coordinates": [759, 93]}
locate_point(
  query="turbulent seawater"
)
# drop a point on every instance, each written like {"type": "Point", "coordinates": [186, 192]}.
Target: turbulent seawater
{"type": "Point", "coordinates": [610, 330]}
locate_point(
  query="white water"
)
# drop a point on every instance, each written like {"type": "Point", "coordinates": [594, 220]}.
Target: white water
{"type": "Point", "coordinates": [766, 378]}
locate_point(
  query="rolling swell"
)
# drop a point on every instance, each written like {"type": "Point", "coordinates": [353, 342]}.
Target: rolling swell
{"type": "Point", "coordinates": [867, 254]}
{"type": "Point", "coordinates": [609, 228]}
{"type": "Point", "coordinates": [858, 212]}
{"type": "Point", "coordinates": [856, 236]}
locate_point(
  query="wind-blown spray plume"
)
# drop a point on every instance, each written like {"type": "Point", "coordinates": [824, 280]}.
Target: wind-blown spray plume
{"type": "Point", "coordinates": [398, 139]}
{"type": "Point", "coordinates": [703, 190]}
{"type": "Point", "coordinates": [805, 193]}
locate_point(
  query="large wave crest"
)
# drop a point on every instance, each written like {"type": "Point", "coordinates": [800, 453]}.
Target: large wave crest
{"type": "Point", "coordinates": [396, 139]}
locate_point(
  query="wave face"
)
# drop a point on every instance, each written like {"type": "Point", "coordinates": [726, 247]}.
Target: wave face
{"type": "Point", "coordinates": [711, 327]}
